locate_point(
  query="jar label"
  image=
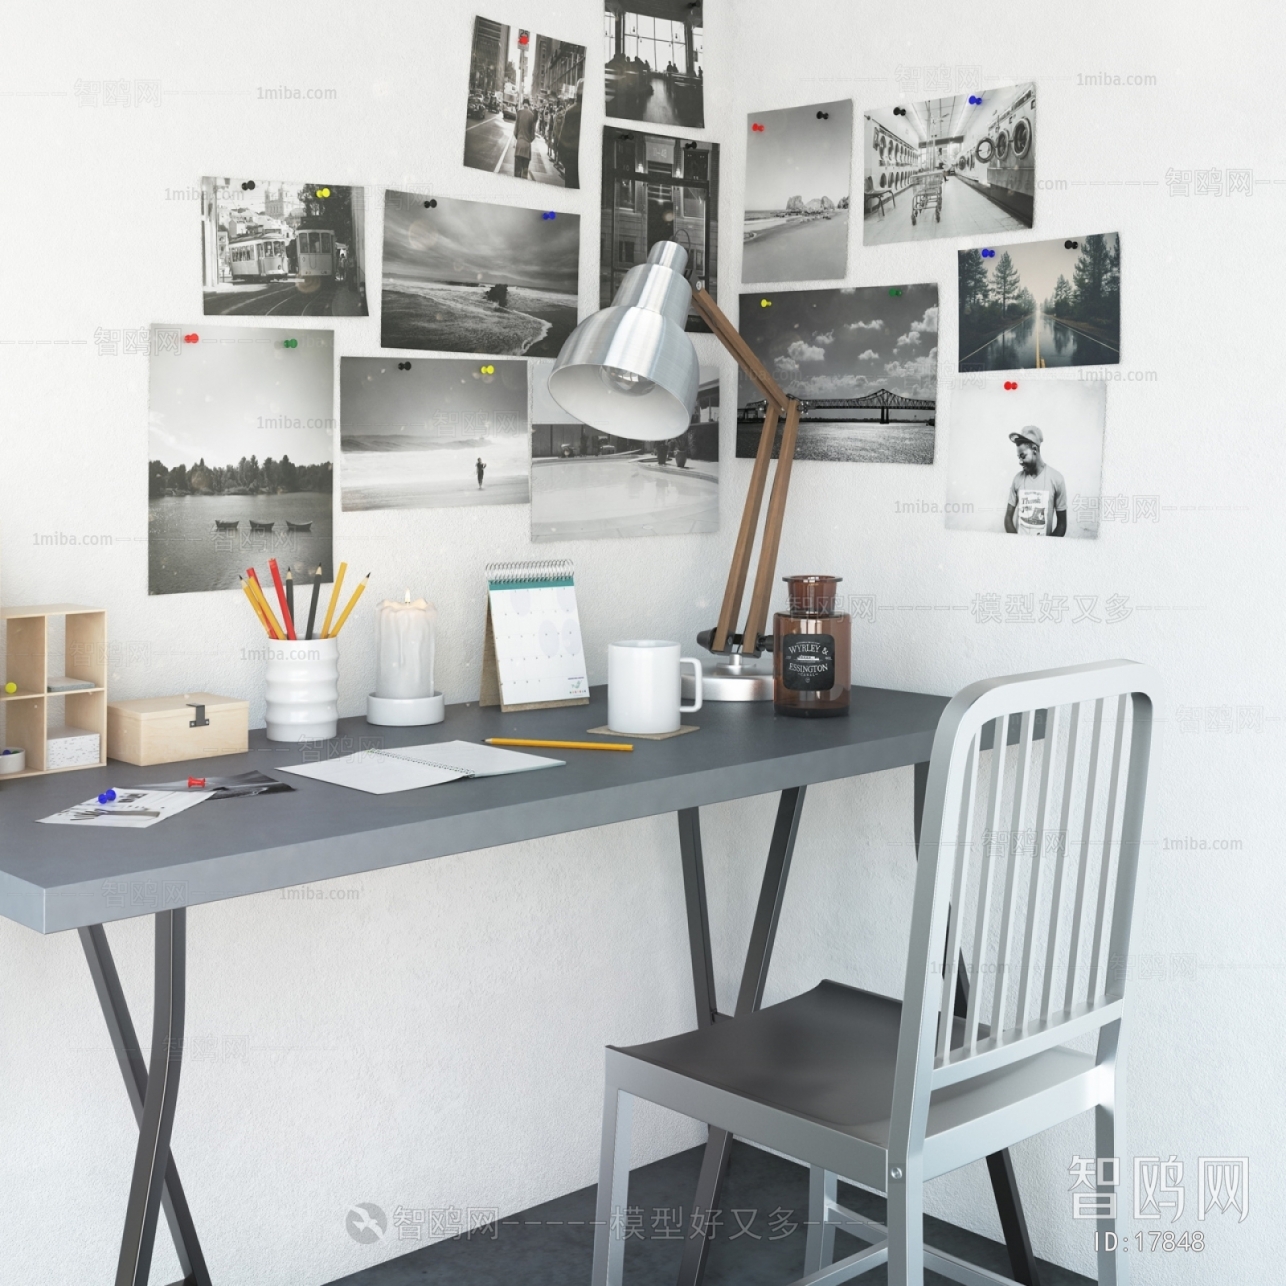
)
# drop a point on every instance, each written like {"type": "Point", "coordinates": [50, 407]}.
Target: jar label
{"type": "Point", "coordinates": [808, 662]}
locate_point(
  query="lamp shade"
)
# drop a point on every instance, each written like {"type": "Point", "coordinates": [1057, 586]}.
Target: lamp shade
{"type": "Point", "coordinates": [631, 369]}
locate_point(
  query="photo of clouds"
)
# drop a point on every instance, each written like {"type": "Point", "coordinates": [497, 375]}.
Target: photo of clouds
{"type": "Point", "coordinates": [798, 175]}
{"type": "Point", "coordinates": [1041, 303]}
{"type": "Point", "coordinates": [863, 361]}
{"type": "Point", "coordinates": [432, 433]}
{"type": "Point", "coordinates": [472, 277]}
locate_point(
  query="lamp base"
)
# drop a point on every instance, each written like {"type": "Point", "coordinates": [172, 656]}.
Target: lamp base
{"type": "Point", "coordinates": [731, 679]}
{"type": "Point", "coordinates": [405, 712]}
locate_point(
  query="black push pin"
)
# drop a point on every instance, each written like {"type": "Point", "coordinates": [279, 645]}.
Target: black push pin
{"type": "Point", "coordinates": [1071, 245]}
{"type": "Point", "coordinates": [404, 366]}
{"type": "Point", "coordinates": [430, 205]}
{"type": "Point", "coordinates": [248, 185]}
{"type": "Point", "coordinates": [823, 116]}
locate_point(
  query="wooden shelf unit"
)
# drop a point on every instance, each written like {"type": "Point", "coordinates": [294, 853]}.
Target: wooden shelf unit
{"type": "Point", "coordinates": [26, 712]}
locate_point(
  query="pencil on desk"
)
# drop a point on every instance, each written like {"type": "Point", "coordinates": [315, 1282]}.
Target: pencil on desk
{"type": "Point", "coordinates": [334, 600]}
{"type": "Point", "coordinates": [559, 745]}
{"type": "Point", "coordinates": [352, 603]}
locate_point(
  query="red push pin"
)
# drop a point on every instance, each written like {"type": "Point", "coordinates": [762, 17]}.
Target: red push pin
{"type": "Point", "coordinates": [758, 129]}
{"type": "Point", "coordinates": [196, 783]}
{"type": "Point", "coordinates": [1011, 384]}
{"type": "Point", "coordinates": [193, 338]}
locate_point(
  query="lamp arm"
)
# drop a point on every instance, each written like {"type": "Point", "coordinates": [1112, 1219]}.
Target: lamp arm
{"type": "Point", "coordinates": [778, 404]}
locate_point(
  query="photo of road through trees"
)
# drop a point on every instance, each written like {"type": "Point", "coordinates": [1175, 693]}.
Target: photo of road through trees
{"type": "Point", "coordinates": [277, 248]}
{"type": "Point", "coordinates": [1043, 303]}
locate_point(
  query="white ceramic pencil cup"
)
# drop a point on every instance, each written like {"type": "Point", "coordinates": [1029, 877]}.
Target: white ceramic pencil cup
{"type": "Point", "coordinates": [303, 689]}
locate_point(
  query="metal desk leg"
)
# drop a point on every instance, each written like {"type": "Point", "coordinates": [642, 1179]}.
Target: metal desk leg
{"type": "Point", "coordinates": [152, 1160]}
{"type": "Point", "coordinates": [1000, 1166]}
{"type": "Point", "coordinates": [120, 1027]}
{"type": "Point", "coordinates": [755, 974]}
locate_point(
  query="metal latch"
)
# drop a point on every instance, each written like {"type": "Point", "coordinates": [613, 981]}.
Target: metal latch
{"type": "Point", "coordinates": [200, 721]}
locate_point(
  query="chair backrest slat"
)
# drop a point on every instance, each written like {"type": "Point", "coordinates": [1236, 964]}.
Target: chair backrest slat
{"type": "Point", "coordinates": [989, 900]}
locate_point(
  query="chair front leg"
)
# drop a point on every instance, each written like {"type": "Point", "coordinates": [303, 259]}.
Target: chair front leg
{"type": "Point", "coordinates": [613, 1188]}
{"type": "Point", "coordinates": [906, 1226]}
{"type": "Point", "coordinates": [819, 1251]}
{"type": "Point", "coordinates": [1109, 1141]}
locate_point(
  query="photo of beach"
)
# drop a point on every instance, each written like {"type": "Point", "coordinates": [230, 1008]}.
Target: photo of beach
{"type": "Point", "coordinates": [240, 431]}
{"type": "Point", "coordinates": [1041, 303]}
{"type": "Point", "coordinates": [472, 277]}
{"type": "Point", "coordinates": [863, 362]}
{"type": "Point", "coordinates": [798, 177]}
{"type": "Point", "coordinates": [432, 433]}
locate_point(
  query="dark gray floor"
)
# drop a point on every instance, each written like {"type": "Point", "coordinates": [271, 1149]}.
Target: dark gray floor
{"type": "Point", "coordinates": [552, 1244]}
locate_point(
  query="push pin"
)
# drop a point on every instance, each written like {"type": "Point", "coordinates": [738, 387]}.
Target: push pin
{"type": "Point", "coordinates": [193, 338]}
{"type": "Point", "coordinates": [11, 687]}
{"type": "Point", "coordinates": [765, 303]}
{"type": "Point", "coordinates": [1071, 245]}
{"type": "Point", "coordinates": [899, 111]}
{"type": "Point", "coordinates": [290, 343]}
{"type": "Point", "coordinates": [248, 185]}
{"type": "Point", "coordinates": [1011, 384]}
{"type": "Point", "coordinates": [323, 193]}
{"type": "Point", "coordinates": [975, 101]}
{"type": "Point", "coordinates": [757, 128]}
{"type": "Point", "coordinates": [430, 205]}
{"type": "Point", "coordinates": [107, 797]}
{"type": "Point", "coordinates": [988, 254]}
{"type": "Point", "coordinates": [404, 366]}
{"type": "Point", "coordinates": [196, 783]}
{"type": "Point", "coordinates": [823, 116]}
{"type": "Point", "coordinates": [894, 291]}
{"type": "Point", "coordinates": [487, 370]}
{"type": "Point", "coordinates": [549, 214]}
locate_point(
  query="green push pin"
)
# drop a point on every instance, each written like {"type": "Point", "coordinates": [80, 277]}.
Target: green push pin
{"type": "Point", "coordinates": [895, 292]}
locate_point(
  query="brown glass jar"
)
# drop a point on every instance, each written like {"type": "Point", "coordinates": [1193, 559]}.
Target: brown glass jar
{"type": "Point", "coordinates": [811, 647]}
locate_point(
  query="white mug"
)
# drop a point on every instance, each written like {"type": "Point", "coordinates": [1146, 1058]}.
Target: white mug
{"type": "Point", "coordinates": [644, 686]}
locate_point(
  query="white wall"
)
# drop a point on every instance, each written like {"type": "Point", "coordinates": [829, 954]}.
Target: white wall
{"type": "Point", "coordinates": [433, 1038]}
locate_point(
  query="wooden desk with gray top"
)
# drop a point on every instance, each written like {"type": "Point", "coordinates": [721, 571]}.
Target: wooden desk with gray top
{"type": "Point", "coordinates": [54, 878]}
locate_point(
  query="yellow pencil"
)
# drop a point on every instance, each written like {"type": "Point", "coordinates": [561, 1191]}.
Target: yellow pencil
{"type": "Point", "coordinates": [559, 745]}
{"type": "Point", "coordinates": [352, 603]}
{"type": "Point", "coordinates": [334, 599]}
{"type": "Point", "coordinates": [254, 602]}
{"type": "Point", "coordinates": [274, 624]}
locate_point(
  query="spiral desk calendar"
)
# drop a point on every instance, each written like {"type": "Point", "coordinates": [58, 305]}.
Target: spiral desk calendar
{"type": "Point", "coordinates": [532, 656]}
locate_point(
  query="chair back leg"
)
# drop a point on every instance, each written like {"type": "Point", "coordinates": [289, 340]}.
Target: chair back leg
{"type": "Point", "coordinates": [613, 1188]}
{"type": "Point", "coordinates": [906, 1228]}
{"type": "Point", "coordinates": [1109, 1141]}
{"type": "Point", "coordinates": [819, 1251]}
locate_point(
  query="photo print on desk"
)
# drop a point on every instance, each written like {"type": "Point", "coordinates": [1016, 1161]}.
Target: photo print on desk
{"type": "Point", "coordinates": [950, 167]}
{"type": "Point", "coordinates": [1041, 303]}
{"type": "Point", "coordinates": [862, 360]}
{"type": "Point", "coordinates": [472, 277]}
{"type": "Point", "coordinates": [524, 107]}
{"type": "Point", "coordinates": [653, 65]}
{"type": "Point", "coordinates": [1026, 460]}
{"type": "Point", "coordinates": [241, 423]}
{"type": "Point", "coordinates": [798, 180]}
{"type": "Point", "coordinates": [282, 249]}
{"type": "Point", "coordinates": [587, 484]}
{"type": "Point", "coordinates": [658, 188]}
{"type": "Point", "coordinates": [432, 433]}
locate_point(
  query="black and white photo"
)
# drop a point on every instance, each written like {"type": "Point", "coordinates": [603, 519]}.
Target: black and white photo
{"type": "Point", "coordinates": [863, 362]}
{"type": "Point", "coordinates": [1026, 460]}
{"type": "Point", "coordinates": [282, 249]}
{"type": "Point", "coordinates": [658, 188]}
{"type": "Point", "coordinates": [798, 176]}
{"type": "Point", "coordinates": [961, 166]}
{"type": "Point", "coordinates": [524, 107]}
{"type": "Point", "coordinates": [653, 64]}
{"type": "Point", "coordinates": [587, 484]}
{"type": "Point", "coordinates": [1041, 303]}
{"type": "Point", "coordinates": [472, 277]}
{"type": "Point", "coordinates": [240, 449]}
{"type": "Point", "coordinates": [432, 433]}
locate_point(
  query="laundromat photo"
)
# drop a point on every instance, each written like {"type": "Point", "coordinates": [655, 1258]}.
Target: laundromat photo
{"type": "Point", "coordinates": [950, 167]}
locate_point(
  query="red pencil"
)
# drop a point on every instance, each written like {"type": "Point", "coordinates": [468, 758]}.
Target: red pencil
{"type": "Point", "coordinates": [281, 598]}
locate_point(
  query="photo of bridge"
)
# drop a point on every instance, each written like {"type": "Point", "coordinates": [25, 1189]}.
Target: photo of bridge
{"type": "Point", "coordinates": [862, 363]}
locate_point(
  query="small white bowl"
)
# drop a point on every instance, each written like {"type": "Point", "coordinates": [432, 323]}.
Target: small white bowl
{"type": "Point", "coordinates": [12, 760]}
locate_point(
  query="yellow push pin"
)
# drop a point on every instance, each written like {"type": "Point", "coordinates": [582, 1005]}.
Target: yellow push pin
{"type": "Point", "coordinates": [765, 303]}
{"type": "Point", "coordinates": [11, 687]}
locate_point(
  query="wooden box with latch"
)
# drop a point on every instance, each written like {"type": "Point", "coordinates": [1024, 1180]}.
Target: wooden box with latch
{"type": "Point", "coordinates": [163, 730]}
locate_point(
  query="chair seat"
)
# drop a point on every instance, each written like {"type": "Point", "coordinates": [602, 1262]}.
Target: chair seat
{"type": "Point", "coordinates": [829, 1056]}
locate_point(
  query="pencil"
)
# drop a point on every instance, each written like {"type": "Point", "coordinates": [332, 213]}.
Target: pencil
{"type": "Point", "coordinates": [281, 598]}
{"type": "Point", "coordinates": [277, 631]}
{"type": "Point", "coordinates": [254, 602]}
{"type": "Point", "coordinates": [559, 745]}
{"type": "Point", "coordinates": [290, 591]}
{"type": "Point", "coordinates": [352, 603]}
{"type": "Point", "coordinates": [312, 607]}
{"type": "Point", "coordinates": [334, 599]}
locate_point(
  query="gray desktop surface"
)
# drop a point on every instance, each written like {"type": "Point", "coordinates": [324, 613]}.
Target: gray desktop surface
{"type": "Point", "coordinates": [57, 877]}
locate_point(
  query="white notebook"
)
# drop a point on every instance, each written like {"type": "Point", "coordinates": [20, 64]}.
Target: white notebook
{"type": "Point", "coordinates": [382, 772]}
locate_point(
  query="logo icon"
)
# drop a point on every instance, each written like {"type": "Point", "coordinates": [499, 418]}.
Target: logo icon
{"type": "Point", "coordinates": [366, 1223]}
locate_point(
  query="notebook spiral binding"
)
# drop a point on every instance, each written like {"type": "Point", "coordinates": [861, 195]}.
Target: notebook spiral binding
{"type": "Point", "coordinates": [542, 569]}
{"type": "Point", "coordinates": [424, 763]}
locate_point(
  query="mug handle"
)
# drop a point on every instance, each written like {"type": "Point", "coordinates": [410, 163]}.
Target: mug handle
{"type": "Point", "coordinates": [696, 684]}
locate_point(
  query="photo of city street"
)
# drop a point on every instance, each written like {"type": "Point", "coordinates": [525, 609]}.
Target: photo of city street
{"type": "Point", "coordinates": [798, 175]}
{"type": "Point", "coordinates": [652, 52]}
{"type": "Point", "coordinates": [1041, 303]}
{"type": "Point", "coordinates": [524, 108]}
{"type": "Point", "coordinates": [274, 248]}
{"type": "Point", "coordinates": [587, 484]}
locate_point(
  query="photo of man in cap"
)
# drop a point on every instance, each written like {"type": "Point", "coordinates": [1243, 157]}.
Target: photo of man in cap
{"type": "Point", "coordinates": [1038, 494]}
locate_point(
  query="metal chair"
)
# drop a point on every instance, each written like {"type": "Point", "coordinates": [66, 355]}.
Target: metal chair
{"type": "Point", "coordinates": [893, 1093]}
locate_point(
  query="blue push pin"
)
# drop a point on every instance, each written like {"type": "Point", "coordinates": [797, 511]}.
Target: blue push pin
{"type": "Point", "coordinates": [988, 254]}
{"type": "Point", "coordinates": [974, 100]}
{"type": "Point", "coordinates": [549, 214]}
{"type": "Point", "coordinates": [107, 797]}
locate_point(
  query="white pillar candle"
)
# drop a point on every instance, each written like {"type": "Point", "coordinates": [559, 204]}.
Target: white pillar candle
{"type": "Point", "coordinates": [404, 637]}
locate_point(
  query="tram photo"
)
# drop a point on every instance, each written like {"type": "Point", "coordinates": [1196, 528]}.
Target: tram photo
{"type": "Point", "coordinates": [950, 167]}
{"type": "Point", "coordinates": [258, 259]}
